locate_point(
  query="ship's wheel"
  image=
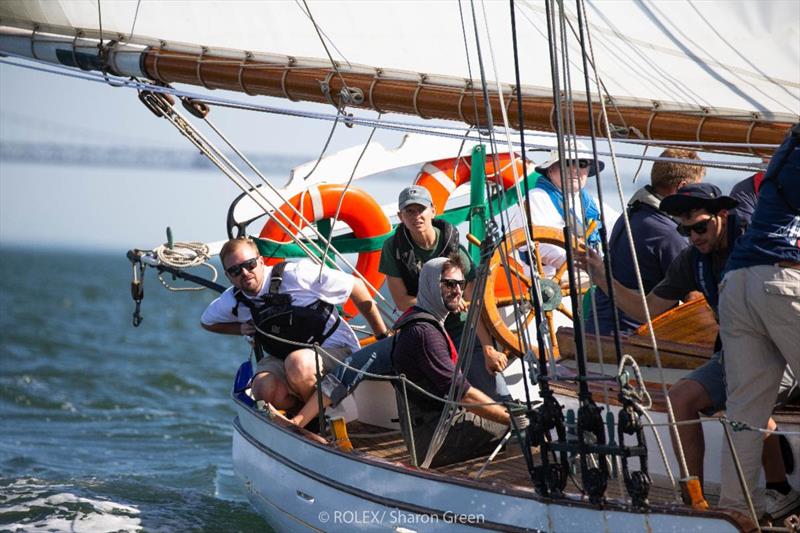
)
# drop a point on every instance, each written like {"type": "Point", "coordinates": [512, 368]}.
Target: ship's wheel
{"type": "Point", "coordinates": [505, 287]}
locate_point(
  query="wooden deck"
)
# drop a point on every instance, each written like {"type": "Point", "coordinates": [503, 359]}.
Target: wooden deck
{"type": "Point", "coordinates": [508, 469]}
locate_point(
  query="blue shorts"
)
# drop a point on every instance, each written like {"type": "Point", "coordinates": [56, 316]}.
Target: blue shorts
{"type": "Point", "coordinates": [711, 375]}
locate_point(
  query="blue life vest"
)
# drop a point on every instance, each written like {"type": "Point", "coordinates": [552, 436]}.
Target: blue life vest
{"type": "Point", "coordinates": [557, 197]}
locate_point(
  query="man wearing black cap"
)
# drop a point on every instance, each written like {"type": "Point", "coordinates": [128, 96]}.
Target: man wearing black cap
{"type": "Point", "coordinates": [712, 229]}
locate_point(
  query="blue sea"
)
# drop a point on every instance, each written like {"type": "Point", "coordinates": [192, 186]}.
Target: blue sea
{"type": "Point", "coordinates": [107, 427]}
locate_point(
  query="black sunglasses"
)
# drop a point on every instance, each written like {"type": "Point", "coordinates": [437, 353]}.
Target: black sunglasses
{"type": "Point", "coordinates": [451, 284]}
{"type": "Point", "coordinates": [236, 270]}
{"type": "Point", "coordinates": [582, 163]}
{"type": "Point", "coordinates": [698, 227]}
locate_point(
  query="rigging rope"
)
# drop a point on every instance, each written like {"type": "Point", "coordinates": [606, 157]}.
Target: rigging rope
{"type": "Point", "coordinates": [184, 255]}
{"type": "Point", "coordinates": [640, 284]}
{"type": "Point", "coordinates": [276, 214]}
{"type": "Point", "coordinates": [344, 192]}
{"type": "Point", "coordinates": [135, 18]}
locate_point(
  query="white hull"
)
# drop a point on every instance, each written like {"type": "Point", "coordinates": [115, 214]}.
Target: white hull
{"type": "Point", "coordinates": [299, 485]}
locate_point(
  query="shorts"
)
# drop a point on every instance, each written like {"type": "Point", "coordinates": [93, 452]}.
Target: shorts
{"type": "Point", "coordinates": [274, 365]}
{"type": "Point", "coordinates": [711, 376]}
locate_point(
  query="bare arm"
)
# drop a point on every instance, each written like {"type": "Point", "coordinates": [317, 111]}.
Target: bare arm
{"type": "Point", "coordinates": [402, 300]}
{"type": "Point", "coordinates": [231, 328]}
{"type": "Point", "coordinates": [367, 307]}
{"type": "Point", "coordinates": [626, 299]}
{"type": "Point", "coordinates": [310, 410]}
{"type": "Point", "coordinates": [496, 413]}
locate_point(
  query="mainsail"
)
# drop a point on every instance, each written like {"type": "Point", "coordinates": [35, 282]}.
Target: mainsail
{"type": "Point", "coordinates": [712, 71]}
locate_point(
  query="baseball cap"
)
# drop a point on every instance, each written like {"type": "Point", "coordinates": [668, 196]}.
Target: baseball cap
{"type": "Point", "coordinates": [414, 195]}
{"type": "Point", "coordinates": [697, 196]}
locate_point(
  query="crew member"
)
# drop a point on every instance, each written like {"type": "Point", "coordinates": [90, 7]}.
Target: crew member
{"type": "Point", "coordinates": [418, 238]}
{"type": "Point", "coordinates": [425, 354]}
{"type": "Point", "coordinates": [287, 307]}
{"type": "Point", "coordinates": [656, 242]}
{"type": "Point", "coordinates": [759, 315]}
{"type": "Point", "coordinates": [704, 217]}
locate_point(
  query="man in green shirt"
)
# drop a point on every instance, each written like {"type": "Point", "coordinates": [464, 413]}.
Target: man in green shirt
{"type": "Point", "coordinates": [418, 238]}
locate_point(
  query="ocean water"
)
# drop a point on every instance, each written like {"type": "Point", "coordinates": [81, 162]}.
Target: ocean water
{"type": "Point", "coordinates": [107, 427]}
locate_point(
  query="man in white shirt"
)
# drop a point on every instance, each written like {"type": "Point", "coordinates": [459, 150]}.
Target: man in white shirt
{"type": "Point", "coordinates": [546, 202]}
{"type": "Point", "coordinates": [287, 375]}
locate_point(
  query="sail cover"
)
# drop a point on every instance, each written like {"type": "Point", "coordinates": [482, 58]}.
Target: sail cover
{"type": "Point", "coordinates": [708, 55]}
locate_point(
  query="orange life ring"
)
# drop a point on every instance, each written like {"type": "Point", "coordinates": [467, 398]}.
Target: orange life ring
{"type": "Point", "coordinates": [442, 177]}
{"type": "Point", "coordinates": [359, 211]}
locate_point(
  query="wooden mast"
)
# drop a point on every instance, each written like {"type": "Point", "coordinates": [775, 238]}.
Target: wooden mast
{"type": "Point", "coordinates": [428, 99]}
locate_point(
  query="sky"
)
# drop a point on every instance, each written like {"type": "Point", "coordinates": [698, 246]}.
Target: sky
{"type": "Point", "coordinates": [120, 208]}
{"type": "Point", "coordinates": [117, 208]}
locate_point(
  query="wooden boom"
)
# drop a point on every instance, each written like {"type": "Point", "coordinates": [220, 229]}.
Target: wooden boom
{"type": "Point", "coordinates": [430, 99]}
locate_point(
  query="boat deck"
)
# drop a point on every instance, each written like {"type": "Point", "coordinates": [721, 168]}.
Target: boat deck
{"type": "Point", "coordinates": [507, 469]}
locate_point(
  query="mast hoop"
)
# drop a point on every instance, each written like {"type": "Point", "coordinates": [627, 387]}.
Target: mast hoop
{"type": "Point", "coordinates": [240, 75]}
{"type": "Point", "coordinates": [750, 132]}
{"type": "Point", "coordinates": [650, 120]}
{"type": "Point", "coordinates": [156, 58]}
{"type": "Point", "coordinates": [33, 42]}
{"type": "Point", "coordinates": [700, 129]}
{"type": "Point", "coordinates": [199, 67]}
{"type": "Point", "coordinates": [420, 84]}
{"type": "Point", "coordinates": [291, 61]}
{"type": "Point", "coordinates": [467, 85]}
{"type": "Point", "coordinates": [325, 87]}
{"type": "Point", "coordinates": [372, 85]}
{"type": "Point", "coordinates": [511, 99]}
{"type": "Point", "coordinates": [78, 34]}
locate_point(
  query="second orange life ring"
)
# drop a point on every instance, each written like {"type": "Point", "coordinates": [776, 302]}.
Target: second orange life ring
{"type": "Point", "coordinates": [359, 211]}
{"type": "Point", "coordinates": [442, 177]}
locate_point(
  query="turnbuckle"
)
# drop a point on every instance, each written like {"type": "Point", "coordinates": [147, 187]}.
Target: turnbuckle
{"type": "Point", "coordinates": [137, 291]}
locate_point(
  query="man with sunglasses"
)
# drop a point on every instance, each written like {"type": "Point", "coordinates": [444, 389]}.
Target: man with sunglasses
{"type": "Point", "coordinates": [425, 354]}
{"type": "Point", "coordinates": [712, 228]}
{"type": "Point", "coordinates": [418, 238]}
{"type": "Point", "coordinates": [286, 376]}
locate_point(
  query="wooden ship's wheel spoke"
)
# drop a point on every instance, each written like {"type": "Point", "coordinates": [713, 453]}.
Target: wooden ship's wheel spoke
{"type": "Point", "coordinates": [560, 272]}
{"type": "Point", "coordinates": [509, 284]}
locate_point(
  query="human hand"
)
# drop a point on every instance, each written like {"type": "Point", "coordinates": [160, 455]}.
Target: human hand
{"type": "Point", "coordinates": [462, 305]}
{"type": "Point", "coordinates": [520, 421]}
{"type": "Point", "coordinates": [496, 361]}
{"type": "Point", "coordinates": [247, 328]}
{"type": "Point", "coordinates": [591, 262]}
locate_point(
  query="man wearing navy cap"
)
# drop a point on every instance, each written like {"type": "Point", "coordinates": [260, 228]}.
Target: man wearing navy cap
{"type": "Point", "coordinates": [712, 228]}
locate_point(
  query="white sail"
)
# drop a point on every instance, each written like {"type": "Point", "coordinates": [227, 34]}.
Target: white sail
{"type": "Point", "coordinates": [715, 54]}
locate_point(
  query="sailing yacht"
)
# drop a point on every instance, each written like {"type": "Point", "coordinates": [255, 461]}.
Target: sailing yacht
{"type": "Point", "coordinates": [716, 76]}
